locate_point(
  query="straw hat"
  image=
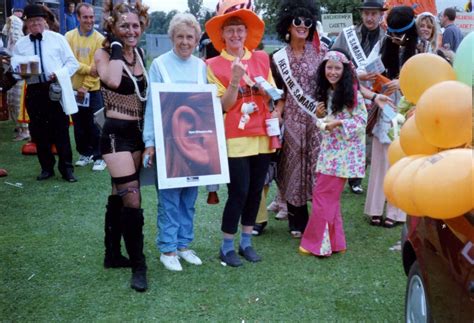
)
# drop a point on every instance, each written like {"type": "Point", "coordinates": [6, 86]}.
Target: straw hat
{"type": "Point", "coordinates": [255, 26]}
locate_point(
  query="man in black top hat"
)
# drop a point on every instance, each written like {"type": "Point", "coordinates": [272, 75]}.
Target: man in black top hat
{"type": "Point", "coordinates": [359, 42]}
{"type": "Point", "coordinates": [48, 123]}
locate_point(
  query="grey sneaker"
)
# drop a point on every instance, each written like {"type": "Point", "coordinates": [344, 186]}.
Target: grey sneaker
{"type": "Point", "coordinates": [99, 165]}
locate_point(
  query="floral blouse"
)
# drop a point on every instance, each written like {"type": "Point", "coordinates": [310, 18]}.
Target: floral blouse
{"type": "Point", "coordinates": [343, 149]}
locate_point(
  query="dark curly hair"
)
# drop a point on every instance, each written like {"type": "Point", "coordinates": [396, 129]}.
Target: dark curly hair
{"type": "Point", "coordinates": [397, 18]}
{"type": "Point", "coordinates": [290, 9]}
{"type": "Point", "coordinates": [344, 95]}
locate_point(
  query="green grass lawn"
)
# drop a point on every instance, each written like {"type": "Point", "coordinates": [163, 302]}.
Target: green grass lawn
{"type": "Point", "coordinates": [51, 253]}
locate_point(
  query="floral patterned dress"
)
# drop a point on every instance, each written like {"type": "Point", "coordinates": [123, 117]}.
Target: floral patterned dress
{"type": "Point", "coordinates": [301, 136]}
{"type": "Point", "coordinates": [343, 149]}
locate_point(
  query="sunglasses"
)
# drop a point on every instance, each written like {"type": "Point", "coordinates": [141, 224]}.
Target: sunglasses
{"type": "Point", "coordinates": [306, 22]}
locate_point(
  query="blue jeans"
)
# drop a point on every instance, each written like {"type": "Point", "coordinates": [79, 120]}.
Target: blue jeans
{"type": "Point", "coordinates": [175, 218]}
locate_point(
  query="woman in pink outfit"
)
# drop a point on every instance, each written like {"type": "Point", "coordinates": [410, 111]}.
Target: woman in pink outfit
{"type": "Point", "coordinates": [342, 153]}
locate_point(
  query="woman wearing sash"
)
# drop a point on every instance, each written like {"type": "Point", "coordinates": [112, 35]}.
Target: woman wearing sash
{"type": "Point", "coordinates": [236, 34]}
{"type": "Point", "coordinates": [399, 45]}
{"type": "Point", "coordinates": [295, 67]}
{"type": "Point", "coordinates": [124, 88]}
{"type": "Point", "coordinates": [176, 205]}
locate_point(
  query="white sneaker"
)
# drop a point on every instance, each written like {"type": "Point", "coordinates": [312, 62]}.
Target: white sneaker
{"type": "Point", "coordinates": [99, 165]}
{"type": "Point", "coordinates": [273, 207]}
{"type": "Point", "coordinates": [282, 215]}
{"type": "Point", "coordinates": [190, 257]}
{"type": "Point", "coordinates": [171, 262]}
{"type": "Point", "coordinates": [84, 160]}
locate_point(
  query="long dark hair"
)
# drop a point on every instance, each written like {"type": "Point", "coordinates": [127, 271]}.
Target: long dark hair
{"type": "Point", "coordinates": [399, 17]}
{"type": "Point", "coordinates": [343, 95]}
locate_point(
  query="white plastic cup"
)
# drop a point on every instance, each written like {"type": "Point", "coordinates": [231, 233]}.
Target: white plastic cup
{"type": "Point", "coordinates": [273, 127]}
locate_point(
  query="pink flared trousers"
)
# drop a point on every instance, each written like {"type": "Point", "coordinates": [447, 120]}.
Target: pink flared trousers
{"type": "Point", "coordinates": [324, 233]}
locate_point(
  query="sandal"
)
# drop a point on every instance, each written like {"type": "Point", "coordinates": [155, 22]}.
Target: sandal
{"type": "Point", "coordinates": [389, 223]}
{"type": "Point", "coordinates": [258, 228]}
{"type": "Point", "coordinates": [375, 220]}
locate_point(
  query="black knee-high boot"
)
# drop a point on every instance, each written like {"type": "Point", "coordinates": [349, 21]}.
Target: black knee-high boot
{"type": "Point", "coordinates": [113, 234]}
{"type": "Point", "coordinates": [132, 225]}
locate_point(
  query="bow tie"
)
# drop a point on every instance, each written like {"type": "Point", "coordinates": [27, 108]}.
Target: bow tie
{"type": "Point", "coordinates": [36, 37]}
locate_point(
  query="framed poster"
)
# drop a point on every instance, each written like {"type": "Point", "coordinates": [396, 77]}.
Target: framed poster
{"type": "Point", "coordinates": [189, 135]}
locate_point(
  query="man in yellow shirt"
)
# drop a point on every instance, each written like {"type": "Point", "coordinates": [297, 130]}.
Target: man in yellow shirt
{"type": "Point", "coordinates": [84, 42]}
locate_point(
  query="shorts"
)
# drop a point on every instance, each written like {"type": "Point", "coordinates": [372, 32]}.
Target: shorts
{"type": "Point", "coordinates": [121, 135]}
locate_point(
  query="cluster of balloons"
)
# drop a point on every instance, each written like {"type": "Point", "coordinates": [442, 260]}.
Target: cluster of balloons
{"type": "Point", "coordinates": [432, 170]}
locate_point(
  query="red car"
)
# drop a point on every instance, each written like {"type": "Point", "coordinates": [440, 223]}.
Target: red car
{"type": "Point", "coordinates": [438, 258]}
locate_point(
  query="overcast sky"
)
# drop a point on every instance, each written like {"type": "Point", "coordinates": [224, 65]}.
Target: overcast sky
{"type": "Point", "coordinates": [182, 5]}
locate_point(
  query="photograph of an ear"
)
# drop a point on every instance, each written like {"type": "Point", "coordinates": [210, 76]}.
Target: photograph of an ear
{"type": "Point", "coordinates": [189, 130]}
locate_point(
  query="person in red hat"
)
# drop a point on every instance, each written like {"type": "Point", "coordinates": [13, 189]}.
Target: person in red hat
{"type": "Point", "coordinates": [235, 33]}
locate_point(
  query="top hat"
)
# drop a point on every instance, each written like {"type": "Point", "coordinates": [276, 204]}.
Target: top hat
{"type": "Point", "coordinates": [374, 5]}
{"type": "Point", "coordinates": [34, 10]}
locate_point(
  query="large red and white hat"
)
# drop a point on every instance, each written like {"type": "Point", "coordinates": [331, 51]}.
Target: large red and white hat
{"type": "Point", "coordinates": [226, 6]}
{"type": "Point", "coordinates": [235, 8]}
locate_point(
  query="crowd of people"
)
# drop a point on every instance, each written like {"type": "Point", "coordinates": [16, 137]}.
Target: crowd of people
{"type": "Point", "coordinates": [329, 97]}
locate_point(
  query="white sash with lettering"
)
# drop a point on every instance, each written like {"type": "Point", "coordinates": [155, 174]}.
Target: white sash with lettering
{"type": "Point", "coordinates": [355, 47]}
{"type": "Point", "coordinates": [305, 102]}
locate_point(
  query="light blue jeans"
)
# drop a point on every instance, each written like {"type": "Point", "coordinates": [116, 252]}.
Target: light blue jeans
{"type": "Point", "coordinates": [175, 218]}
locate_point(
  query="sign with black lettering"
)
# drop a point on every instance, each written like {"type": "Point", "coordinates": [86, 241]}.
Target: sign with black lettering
{"type": "Point", "coordinates": [335, 22]}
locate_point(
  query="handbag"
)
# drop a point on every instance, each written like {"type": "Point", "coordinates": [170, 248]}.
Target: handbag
{"type": "Point", "coordinates": [55, 91]}
{"type": "Point", "coordinates": [372, 117]}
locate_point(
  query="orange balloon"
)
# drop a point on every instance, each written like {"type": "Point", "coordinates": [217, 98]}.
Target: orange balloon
{"type": "Point", "coordinates": [411, 140]}
{"type": "Point", "coordinates": [395, 152]}
{"type": "Point", "coordinates": [392, 175]}
{"type": "Point", "coordinates": [472, 186]}
{"type": "Point", "coordinates": [442, 186]}
{"type": "Point", "coordinates": [444, 114]}
{"type": "Point", "coordinates": [403, 188]}
{"type": "Point", "coordinates": [422, 71]}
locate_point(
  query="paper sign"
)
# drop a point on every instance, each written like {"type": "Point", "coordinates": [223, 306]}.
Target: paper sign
{"type": "Point", "coordinates": [86, 100]}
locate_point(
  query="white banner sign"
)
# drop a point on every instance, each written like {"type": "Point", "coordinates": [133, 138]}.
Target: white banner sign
{"type": "Point", "coordinates": [465, 21]}
{"type": "Point", "coordinates": [335, 22]}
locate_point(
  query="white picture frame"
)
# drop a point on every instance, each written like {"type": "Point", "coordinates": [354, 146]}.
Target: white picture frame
{"type": "Point", "coordinates": [190, 143]}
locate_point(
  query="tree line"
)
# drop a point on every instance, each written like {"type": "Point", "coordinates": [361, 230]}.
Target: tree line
{"type": "Point", "coordinates": [266, 8]}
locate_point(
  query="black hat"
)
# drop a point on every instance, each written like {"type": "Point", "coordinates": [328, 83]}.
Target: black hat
{"type": "Point", "coordinates": [372, 5]}
{"type": "Point", "coordinates": [34, 10]}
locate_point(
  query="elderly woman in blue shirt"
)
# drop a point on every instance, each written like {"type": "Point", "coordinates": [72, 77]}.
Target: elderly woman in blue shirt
{"type": "Point", "coordinates": [175, 206]}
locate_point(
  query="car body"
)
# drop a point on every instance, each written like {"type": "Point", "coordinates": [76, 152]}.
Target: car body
{"type": "Point", "coordinates": [438, 258]}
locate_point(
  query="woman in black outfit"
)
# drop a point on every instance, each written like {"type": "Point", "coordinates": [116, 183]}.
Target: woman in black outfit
{"type": "Point", "coordinates": [124, 88]}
